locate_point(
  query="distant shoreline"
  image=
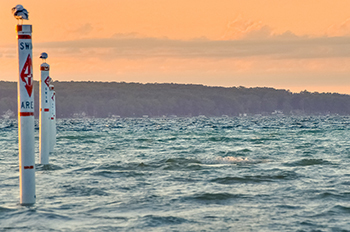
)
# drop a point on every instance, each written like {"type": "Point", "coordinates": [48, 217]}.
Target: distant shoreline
{"type": "Point", "coordinates": [105, 99]}
{"type": "Point", "coordinates": [170, 83]}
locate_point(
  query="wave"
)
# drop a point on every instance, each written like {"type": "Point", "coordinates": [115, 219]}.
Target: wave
{"type": "Point", "coordinates": [6, 210]}
{"type": "Point", "coordinates": [256, 178]}
{"type": "Point", "coordinates": [345, 195]}
{"type": "Point", "coordinates": [224, 139]}
{"type": "Point", "coordinates": [83, 191]}
{"type": "Point", "coordinates": [215, 197]}
{"type": "Point", "coordinates": [79, 137]}
{"type": "Point", "coordinates": [47, 167]}
{"type": "Point", "coordinates": [334, 210]}
{"type": "Point", "coordinates": [308, 162]}
{"type": "Point", "coordinates": [157, 221]}
{"type": "Point", "coordinates": [8, 126]}
{"type": "Point", "coordinates": [177, 163]}
{"type": "Point", "coordinates": [231, 159]}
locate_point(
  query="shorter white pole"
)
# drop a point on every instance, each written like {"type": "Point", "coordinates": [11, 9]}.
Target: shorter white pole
{"type": "Point", "coordinates": [44, 114]}
{"type": "Point", "coordinates": [53, 118]}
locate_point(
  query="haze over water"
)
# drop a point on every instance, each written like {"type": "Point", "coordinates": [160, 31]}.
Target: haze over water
{"type": "Point", "coordinates": [185, 174]}
{"type": "Point", "coordinates": [297, 45]}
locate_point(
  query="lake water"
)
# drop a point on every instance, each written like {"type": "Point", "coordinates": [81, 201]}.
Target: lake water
{"type": "Point", "coordinates": [184, 174]}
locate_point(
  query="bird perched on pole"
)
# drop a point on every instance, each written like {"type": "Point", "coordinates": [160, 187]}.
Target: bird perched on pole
{"type": "Point", "coordinates": [43, 56]}
{"type": "Point", "coordinates": [20, 13]}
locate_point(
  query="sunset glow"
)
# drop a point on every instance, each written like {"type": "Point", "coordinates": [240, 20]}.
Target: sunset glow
{"type": "Point", "coordinates": [296, 45]}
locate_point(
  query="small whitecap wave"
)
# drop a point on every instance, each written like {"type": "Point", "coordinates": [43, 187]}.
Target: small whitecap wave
{"type": "Point", "coordinates": [226, 160]}
{"type": "Point", "coordinates": [231, 159]}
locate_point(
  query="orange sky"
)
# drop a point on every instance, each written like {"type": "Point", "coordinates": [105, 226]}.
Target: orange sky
{"type": "Point", "coordinates": [296, 45]}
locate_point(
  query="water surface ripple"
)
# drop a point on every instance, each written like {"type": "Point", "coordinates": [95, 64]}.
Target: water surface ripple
{"type": "Point", "coordinates": [185, 174]}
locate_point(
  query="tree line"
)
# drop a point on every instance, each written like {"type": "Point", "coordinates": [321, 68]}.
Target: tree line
{"type": "Point", "coordinates": [113, 99]}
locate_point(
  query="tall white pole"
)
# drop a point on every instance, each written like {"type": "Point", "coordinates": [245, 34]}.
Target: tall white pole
{"type": "Point", "coordinates": [53, 118]}
{"type": "Point", "coordinates": [25, 93]}
{"type": "Point", "coordinates": [44, 114]}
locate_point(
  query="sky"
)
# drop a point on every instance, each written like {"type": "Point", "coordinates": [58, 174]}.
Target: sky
{"type": "Point", "coordinates": [296, 45]}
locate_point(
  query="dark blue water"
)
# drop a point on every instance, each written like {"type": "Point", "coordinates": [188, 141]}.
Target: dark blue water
{"type": "Point", "coordinates": [185, 174]}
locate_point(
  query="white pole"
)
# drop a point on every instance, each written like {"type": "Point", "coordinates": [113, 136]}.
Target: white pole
{"type": "Point", "coordinates": [53, 118]}
{"type": "Point", "coordinates": [54, 130]}
{"type": "Point", "coordinates": [25, 93]}
{"type": "Point", "coordinates": [44, 114]}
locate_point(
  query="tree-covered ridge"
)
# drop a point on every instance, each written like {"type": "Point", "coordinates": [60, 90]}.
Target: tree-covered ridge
{"type": "Point", "coordinates": [105, 99]}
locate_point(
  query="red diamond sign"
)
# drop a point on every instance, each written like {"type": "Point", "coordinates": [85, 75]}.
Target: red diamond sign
{"type": "Point", "coordinates": [26, 75]}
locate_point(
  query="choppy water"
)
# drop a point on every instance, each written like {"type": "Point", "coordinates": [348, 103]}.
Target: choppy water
{"type": "Point", "coordinates": [185, 174]}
